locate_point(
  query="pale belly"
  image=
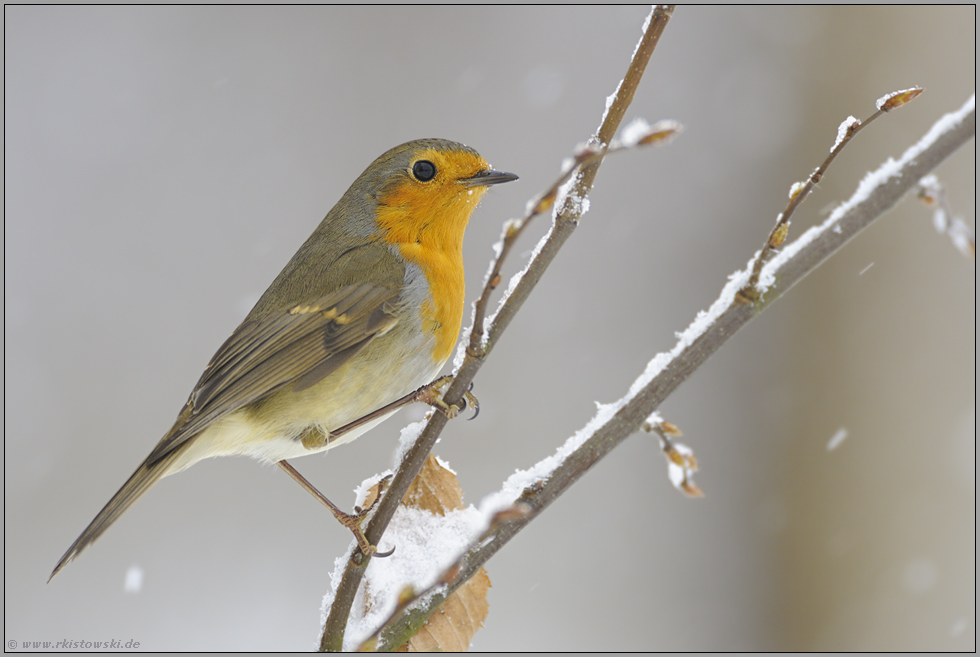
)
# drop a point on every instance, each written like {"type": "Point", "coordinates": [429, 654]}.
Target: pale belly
{"type": "Point", "coordinates": [270, 430]}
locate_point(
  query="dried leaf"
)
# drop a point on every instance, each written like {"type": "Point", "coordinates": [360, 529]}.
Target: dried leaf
{"type": "Point", "coordinates": [436, 489]}
{"type": "Point", "coordinates": [452, 626]}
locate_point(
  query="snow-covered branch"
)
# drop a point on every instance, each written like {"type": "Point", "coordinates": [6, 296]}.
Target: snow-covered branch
{"type": "Point", "coordinates": [532, 490]}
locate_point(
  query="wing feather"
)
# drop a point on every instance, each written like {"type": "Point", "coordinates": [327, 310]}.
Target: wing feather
{"type": "Point", "coordinates": [299, 346]}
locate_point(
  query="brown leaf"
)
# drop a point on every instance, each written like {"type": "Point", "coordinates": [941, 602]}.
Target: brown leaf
{"type": "Point", "coordinates": [436, 489]}
{"type": "Point", "coordinates": [455, 622]}
{"type": "Point", "coordinates": [452, 626]}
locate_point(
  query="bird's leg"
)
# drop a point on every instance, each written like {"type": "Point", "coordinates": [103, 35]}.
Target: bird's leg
{"type": "Point", "coordinates": [429, 394]}
{"type": "Point", "coordinates": [350, 521]}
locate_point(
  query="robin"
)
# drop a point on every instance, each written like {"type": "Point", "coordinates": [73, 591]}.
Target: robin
{"type": "Point", "coordinates": [367, 311]}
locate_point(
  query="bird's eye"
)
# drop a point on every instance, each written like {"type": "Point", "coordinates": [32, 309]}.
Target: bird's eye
{"type": "Point", "coordinates": [424, 170]}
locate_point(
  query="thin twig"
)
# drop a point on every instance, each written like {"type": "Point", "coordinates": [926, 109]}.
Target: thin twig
{"type": "Point", "coordinates": [800, 191]}
{"type": "Point", "coordinates": [335, 625]}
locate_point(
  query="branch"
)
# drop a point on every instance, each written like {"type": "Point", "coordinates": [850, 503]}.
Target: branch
{"type": "Point", "coordinates": [565, 221]}
{"type": "Point", "coordinates": [526, 494]}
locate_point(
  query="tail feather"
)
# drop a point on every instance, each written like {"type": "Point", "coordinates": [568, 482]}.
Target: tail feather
{"type": "Point", "coordinates": [147, 474]}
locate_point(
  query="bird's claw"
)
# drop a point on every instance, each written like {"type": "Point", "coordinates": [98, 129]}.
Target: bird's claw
{"type": "Point", "coordinates": [353, 523]}
{"type": "Point", "coordinates": [432, 395]}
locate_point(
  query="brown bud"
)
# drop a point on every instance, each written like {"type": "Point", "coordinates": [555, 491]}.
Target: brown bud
{"type": "Point", "coordinates": [795, 189]}
{"type": "Point", "coordinates": [691, 489]}
{"type": "Point", "coordinates": [545, 203]}
{"type": "Point", "coordinates": [779, 235]}
{"type": "Point", "coordinates": [661, 131]}
{"type": "Point", "coordinates": [896, 99]}
{"type": "Point", "coordinates": [406, 595]}
{"type": "Point", "coordinates": [517, 511]}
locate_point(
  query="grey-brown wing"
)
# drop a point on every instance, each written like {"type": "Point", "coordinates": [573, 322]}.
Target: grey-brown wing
{"type": "Point", "coordinates": [299, 346]}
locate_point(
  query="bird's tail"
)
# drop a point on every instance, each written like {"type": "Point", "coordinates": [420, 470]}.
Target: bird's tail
{"type": "Point", "coordinates": [145, 476]}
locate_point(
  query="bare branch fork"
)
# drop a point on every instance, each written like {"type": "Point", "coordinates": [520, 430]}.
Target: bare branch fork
{"type": "Point", "coordinates": [565, 221]}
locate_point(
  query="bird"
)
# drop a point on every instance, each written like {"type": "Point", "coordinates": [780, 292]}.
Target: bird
{"type": "Point", "coordinates": [367, 311]}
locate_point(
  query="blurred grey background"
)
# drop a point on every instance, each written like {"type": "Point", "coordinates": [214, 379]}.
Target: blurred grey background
{"type": "Point", "coordinates": [162, 165]}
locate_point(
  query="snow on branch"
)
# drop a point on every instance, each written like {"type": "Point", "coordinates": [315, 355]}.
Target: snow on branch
{"type": "Point", "coordinates": [532, 490]}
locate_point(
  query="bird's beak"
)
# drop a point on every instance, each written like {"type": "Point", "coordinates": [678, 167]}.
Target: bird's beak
{"type": "Point", "coordinates": [488, 177]}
